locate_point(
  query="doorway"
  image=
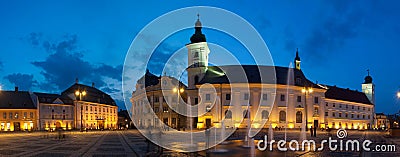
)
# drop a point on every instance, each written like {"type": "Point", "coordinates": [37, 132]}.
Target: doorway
{"type": "Point", "coordinates": [315, 123]}
{"type": "Point", "coordinates": [208, 123]}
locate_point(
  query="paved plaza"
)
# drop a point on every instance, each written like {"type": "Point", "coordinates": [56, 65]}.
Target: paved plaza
{"type": "Point", "coordinates": [132, 143]}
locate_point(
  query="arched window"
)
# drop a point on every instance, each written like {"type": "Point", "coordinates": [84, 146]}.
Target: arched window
{"type": "Point", "coordinates": [245, 114]}
{"type": "Point", "coordinates": [228, 114]}
{"type": "Point", "coordinates": [299, 117]}
{"type": "Point", "coordinates": [282, 116]}
{"type": "Point", "coordinates": [264, 114]}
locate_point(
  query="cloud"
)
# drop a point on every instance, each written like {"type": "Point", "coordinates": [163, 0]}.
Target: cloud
{"type": "Point", "coordinates": [65, 64]}
{"type": "Point", "coordinates": [22, 81]}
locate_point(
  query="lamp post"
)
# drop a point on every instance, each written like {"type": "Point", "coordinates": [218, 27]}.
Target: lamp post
{"type": "Point", "coordinates": [306, 91]}
{"type": "Point", "coordinates": [80, 94]}
{"type": "Point", "coordinates": [178, 91]}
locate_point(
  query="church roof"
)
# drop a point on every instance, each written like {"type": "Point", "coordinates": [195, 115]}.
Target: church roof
{"type": "Point", "coordinates": [337, 93]}
{"type": "Point", "coordinates": [92, 94]}
{"type": "Point", "coordinates": [234, 74]}
{"type": "Point", "coordinates": [16, 100]}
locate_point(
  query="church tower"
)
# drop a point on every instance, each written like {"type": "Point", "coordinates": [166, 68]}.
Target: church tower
{"type": "Point", "coordinates": [197, 55]}
{"type": "Point", "coordinates": [297, 60]}
{"type": "Point", "coordinates": [369, 88]}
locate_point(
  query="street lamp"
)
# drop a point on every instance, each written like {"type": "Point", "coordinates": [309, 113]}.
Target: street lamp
{"type": "Point", "coordinates": [80, 94]}
{"type": "Point", "coordinates": [306, 91]}
{"type": "Point", "coordinates": [398, 94]}
{"type": "Point", "coordinates": [178, 91]}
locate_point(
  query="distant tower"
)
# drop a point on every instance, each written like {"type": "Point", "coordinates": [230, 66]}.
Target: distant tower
{"type": "Point", "coordinates": [197, 55]}
{"type": "Point", "coordinates": [297, 60]}
{"type": "Point", "coordinates": [369, 88]}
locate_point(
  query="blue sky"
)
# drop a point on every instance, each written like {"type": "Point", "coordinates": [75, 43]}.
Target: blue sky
{"type": "Point", "coordinates": [45, 45]}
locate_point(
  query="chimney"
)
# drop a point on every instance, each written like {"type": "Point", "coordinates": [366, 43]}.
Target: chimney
{"type": "Point", "coordinates": [93, 84]}
{"type": "Point", "coordinates": [16, 89]}
{"type": "Point", "coordinates": [76, 81]}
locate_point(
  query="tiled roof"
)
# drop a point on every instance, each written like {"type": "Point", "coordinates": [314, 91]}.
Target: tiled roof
{"type": "Point", "coordinates": [92, 94]}
{"type": "Point", "coordinates": [235, 74]}
{"type": "Point", "coordinates": [16, 100]}
{"type": "Point", "coordinates": [50, 98]}
{"type": "Point", "coordinates": [347, 95]}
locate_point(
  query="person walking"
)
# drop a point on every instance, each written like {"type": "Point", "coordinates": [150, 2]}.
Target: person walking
{"type": "Point", "coordinates": [315, 131]}
{"type": "Point", "coordinates": [311, 131]}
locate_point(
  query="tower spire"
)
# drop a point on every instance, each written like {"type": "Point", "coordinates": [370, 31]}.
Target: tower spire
{"type": "Point", "coordinates": [297, 59]}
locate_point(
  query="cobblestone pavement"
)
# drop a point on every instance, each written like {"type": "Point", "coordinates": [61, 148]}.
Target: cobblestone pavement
{"type": "Point", "coordinates": [132, 143]}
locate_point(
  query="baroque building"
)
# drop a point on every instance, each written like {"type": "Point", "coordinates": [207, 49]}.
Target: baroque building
{"type": "Point", "coordinates": [243, 95]}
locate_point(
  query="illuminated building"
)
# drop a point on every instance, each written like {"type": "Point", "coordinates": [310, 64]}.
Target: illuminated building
{"type": "Point", "coordinates": [55, 111]}
{"type": "Point", "coordinates": [17, 111]}
{"type": "Point", "coordinates": [94, 109]}
{"type": "Point", "coordinates": [148, 97]}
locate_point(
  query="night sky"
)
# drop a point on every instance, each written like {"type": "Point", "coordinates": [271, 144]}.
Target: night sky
{"type": "Point", "coordinates": [45, 45]}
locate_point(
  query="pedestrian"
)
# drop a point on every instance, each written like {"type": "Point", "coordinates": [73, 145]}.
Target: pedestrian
{"type": "Point", "coordinates": [311, 131]}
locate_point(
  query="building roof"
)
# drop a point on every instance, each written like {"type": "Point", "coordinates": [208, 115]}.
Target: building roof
{"type": "Point", "coordinates": [50, 98]}
{"type": "Point", "coordinates": [234, 74]}
{"type": "Point", "coordinates": [337, 93]}
{"type": "Point", "coordinates": [92, 94]}
{"type": "Point", "coordinates": [16, 100]}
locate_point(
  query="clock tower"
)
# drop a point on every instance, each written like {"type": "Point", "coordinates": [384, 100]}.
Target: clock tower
{"type": "Point", "coordinates": [197, 56]}
{"type": "Point", "coordinates": [297, 60]}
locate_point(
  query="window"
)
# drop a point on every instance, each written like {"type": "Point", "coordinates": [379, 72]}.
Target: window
{"type": "Point", "coordinates": [326, 104]}
{"type": "Point", "coordinates": [352, 107]}
{"type": "Point", "coordinates": [358, 116]}
{"type": "Point", "coordinates": [369, 117]}
{"type": "Point", "coordinates": [5, 115]}
{"type": "Point", "coordinates": [264, 114]}
{"type": "Point", "coordinates": [347, 106]}
{"type": "Point", "coordinates": [315, 110]}
{"type": "Point", "coordinates": [282, 116]}
{"type": "Point", "coordinates": [156, 99]}
{"type": "Point", "coordinates": [196, 101]}
{"type": "Point", "coordinates": [282, 97]}
{"type": "Point", "coordinates": [265, 97]}
{"type": "Point", "coordinates": [326, 114]}
{"type": "Point", "coordinates": [340, 114]}
{"type": "Point", "coordinates": [31, 114]}
{"type": "Point", "coordinates": [245, 114]}
{"type": "Point", "coordinates": [91, 108]}
{"type": "Point", "coordinates": [227, 96]}
{"type": "Point", "coordinates": [333, 124]}
{"type": "Point", "coordinates": [369, 109]}
{"type": "Point", "coordinates": [25, 115]}
{"type": "Point", "coordinates": [299, 117]}
{"type": "Point", "coordinates": [63, 111]}
{"type": "Point", "coordinates": [52, 116]}
{"type": "Point", "coordinates": [11, 115]}
{"type": "Point", "coordinates": [63, 116]}
{"type": "Point", "coordinates": [340, 105]}
{"type": "Point", "coordinates": [208, 97]}
{"type": "Point", "coordinates": [333, 105]}
{"type": "Point", "coordinates": [363, 116]}
{"type": "Point", "coordinates": [358, 107]}
{"type": "Point", "coordinates": [364, 108]}
{"type": "Point", "coordinates": [52, 110]}
{"type": "Point", "coordinates": [299, 98]}
{"type": "Point", "coordinates": [246, 96]}
{"type": "Point", "coordinates": [352, 115]}
{"type": "Point", "coordinates": [333, 114]}
{"type": "Point", "coordinates": [316, 100]}
{"type": "Point", "coordinates": [347, 115]}
{"type": "Point", "coordinates": [228, 114]}
{"type": "Point", "coordinates": [87, 108]}
{"type": "Point", "coordinates": [156, 110]}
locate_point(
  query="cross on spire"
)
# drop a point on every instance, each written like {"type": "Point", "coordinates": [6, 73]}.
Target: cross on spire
{"type": "Point", "coordinates": [198, 16]}
{"type": "Point", "coordinates": [368, 71]}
